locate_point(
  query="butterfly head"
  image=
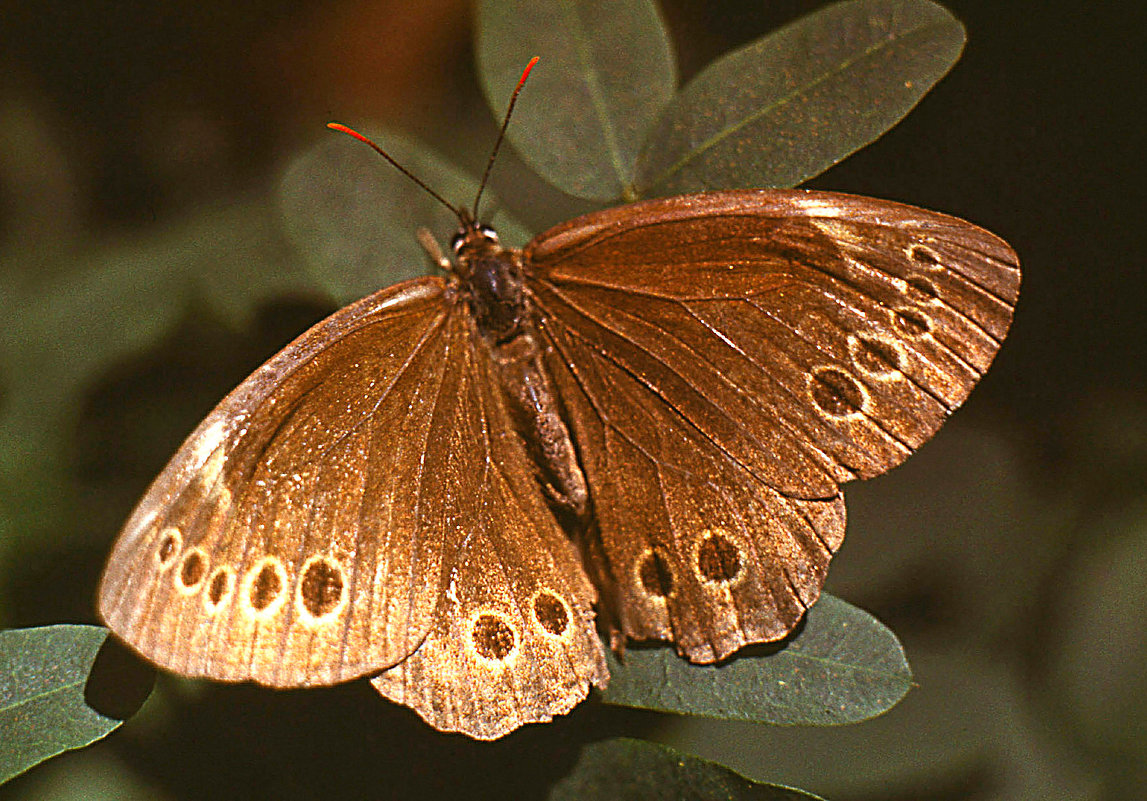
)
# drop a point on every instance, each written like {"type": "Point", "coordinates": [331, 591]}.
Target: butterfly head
{"type": "Point", "coordinates": [474, 241]}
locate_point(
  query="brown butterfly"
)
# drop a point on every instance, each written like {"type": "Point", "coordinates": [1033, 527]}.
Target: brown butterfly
{"type": "Point", "coordinates": [649, 409]}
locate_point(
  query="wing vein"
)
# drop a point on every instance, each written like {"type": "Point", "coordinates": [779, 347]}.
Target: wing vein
{"type": "Point", "coordinates": [661, 395]}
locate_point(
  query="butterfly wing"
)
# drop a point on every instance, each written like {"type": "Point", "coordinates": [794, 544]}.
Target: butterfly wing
{"type": "Point", "coordinates": [513, 639]}
{"type": "Point", "coordinates": [729, 359]}
{"type": "Point", "coordinates": [297, 536]}
{"type": "Point", "coordinates": [361, 501]}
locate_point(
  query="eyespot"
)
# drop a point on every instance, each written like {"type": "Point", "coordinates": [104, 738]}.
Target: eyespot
{"type": "Point", "coordinates": [875, 356]}
{"type": "Point", "coordinates": [494, 638]}
{"type": "Point", "coordinates": [719, 559]}
{"type": "Point", "coordinates": [322, 589]}
{"type": "Point", "coordinates": [170, 543]}
{"type": "Point", "coordinates": [219, 588]}
{"type": "Point", "coordinates": [923, 255]}
{"type": "Point", "coordinates": [835, 392]}
{"type": "Point", "coordinates": [264, 586]}
{"type": "Point", "coordinates": [912, 322]}
{"type": "Point", "coordinates": [551, 613]}
{"type": "Point", "coordinates": [192, 570]}
{"type": "Point", "coordinates": [920, 289]}
{"type": "Point", "coordinates": [655, 576]}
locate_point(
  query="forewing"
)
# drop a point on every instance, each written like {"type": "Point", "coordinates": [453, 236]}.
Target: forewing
{"type": "Point", "coordinates": [513, 638]}
{"type": "Point", "coordinates": [774, 344]}
{"type": "Point", "coordinates": [297, 536]}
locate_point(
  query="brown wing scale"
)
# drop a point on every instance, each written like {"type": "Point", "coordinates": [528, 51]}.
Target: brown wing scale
{"type": "Point", "coordinates": [697, 549]}
{"type": "Point", "coordinates": [295, 537]}
{"type": "Point", "coordinates": [749, 351]}
{"type": "Point", "coordinates": [514, 640]}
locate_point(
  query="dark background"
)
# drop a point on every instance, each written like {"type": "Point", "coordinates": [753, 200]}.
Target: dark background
{"type": "Point", "coordinates": [1009, 555]}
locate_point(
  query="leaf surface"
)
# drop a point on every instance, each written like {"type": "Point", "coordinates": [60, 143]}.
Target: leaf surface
{"type": "Point", "coordinates": [795, 102]}
{"type": "Point", "coordinates": [843, 666]}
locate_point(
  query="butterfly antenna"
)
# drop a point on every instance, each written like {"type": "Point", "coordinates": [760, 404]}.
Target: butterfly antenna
{"type": "Point", "coordinates": [336, 126]}
{"type": "Point", "coordinates": [502, 132]}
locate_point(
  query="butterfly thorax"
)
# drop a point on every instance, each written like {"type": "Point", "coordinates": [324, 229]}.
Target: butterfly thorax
{"type": "Point", "coordinates": [505, 324]}
{"type": "Point", "coordinates": [496, 296]}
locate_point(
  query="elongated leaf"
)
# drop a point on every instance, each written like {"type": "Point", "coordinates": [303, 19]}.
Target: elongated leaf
{"type": "Point", "coordinates": [607, 70]}
{"type": "Point", "coordinates": [843, 666]}
{"type": "Point", "coordinates": [354, 217]}
{"type": "Point", "coordinates": [793, 103]}
{"type": "Point", "coordinates": [43, 712]}
{"type": "Point", "coordinates": [635, 770]}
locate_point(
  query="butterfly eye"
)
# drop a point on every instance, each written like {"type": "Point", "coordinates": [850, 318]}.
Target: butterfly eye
{"type": "Point", "coordinates": [485, 231]}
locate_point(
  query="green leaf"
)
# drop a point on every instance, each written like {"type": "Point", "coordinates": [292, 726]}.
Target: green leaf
{"type": "Point", "coordinates": [43, 710]}
{"type": "Point", "coordinates": [354, 217]}
{"type": "Point", "coordinates": [792, 104]}
{"type": "Point", "coordinates": [633, 770]}
{"type": "Point", "coordinates": [607, 70]}
{"type": "Point", "coordinates": [843, 666]}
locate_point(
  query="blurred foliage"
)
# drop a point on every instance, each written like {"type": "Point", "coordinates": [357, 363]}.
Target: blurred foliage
{"type": "Point", "coordinates": [356, 229]}
{"type": "Point", "coordinates": [144, 270]}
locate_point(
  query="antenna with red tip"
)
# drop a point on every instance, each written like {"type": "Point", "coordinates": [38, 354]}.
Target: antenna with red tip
{"type": "Point", "coordinates": [462, 216]}
{"type": "Point", "coordinates": [502, 131]}
{"type": "Point", "coordinates": [338, 126]}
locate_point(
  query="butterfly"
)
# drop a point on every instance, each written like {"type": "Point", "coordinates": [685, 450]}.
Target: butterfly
{"type": "Point", "coordinates": [640, 421]}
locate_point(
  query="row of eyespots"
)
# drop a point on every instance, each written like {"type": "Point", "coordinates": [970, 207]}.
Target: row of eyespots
{"type": "Point", "coordinates": [919, 289]}
{"type": "Point", "coordinates": [495, 637]}
{"type": "Point", "coordinates": [834, 390]}
{"type": "Point", "coordinates": [320, 593]}
{"type": "Point", "coordinates": [837, 393]}
{"type": "Point", "coordinates": [719, 561]}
